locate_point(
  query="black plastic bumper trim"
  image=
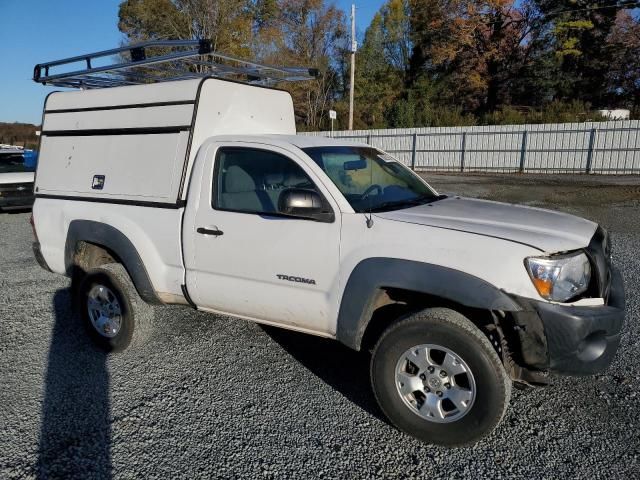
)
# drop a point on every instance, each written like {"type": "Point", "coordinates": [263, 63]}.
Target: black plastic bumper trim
{"type": "Point", "coordinates": [16, 201]}
{"type": "Point", "coordinates": [39, 258]}
{"type": "Point", "coordinates": [581, 340]}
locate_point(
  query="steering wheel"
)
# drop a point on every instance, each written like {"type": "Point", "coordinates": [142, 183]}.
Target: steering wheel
{"type": "Point", "coordinates": [369, 190]}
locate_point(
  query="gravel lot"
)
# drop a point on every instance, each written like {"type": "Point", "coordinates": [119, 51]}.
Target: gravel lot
{"type": "Point", "coordinates": [212, 396]}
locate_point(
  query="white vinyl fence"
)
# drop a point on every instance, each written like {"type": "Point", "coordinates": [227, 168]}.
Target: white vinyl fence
{"type": "Point", "coordinates": [592, 147]}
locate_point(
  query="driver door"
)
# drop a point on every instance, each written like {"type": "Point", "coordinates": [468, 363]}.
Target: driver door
{"type": "Point", "coordinates": [244, 258]}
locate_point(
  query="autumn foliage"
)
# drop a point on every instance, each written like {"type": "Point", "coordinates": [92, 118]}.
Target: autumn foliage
{"type": "Point", "coordinates": [425, 62]}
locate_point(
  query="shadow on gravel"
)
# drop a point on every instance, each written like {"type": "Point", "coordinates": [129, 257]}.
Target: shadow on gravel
{"type": "Point", "coordinates": [75, 433]}
{"type": "Point", "coordinates": [345, 370]}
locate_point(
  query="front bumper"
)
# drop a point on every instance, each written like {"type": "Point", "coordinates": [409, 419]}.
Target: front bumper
{"type": "Point", "coordinates": [10, 198]}
{"type": "Point", "coordinates": [37, 253]}
{"type": "Point", "coordinates": [571, 340]}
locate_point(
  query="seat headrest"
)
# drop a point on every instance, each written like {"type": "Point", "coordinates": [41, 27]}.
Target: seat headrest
{"type": "Point", "coordinates": [274, 179]}
{"type": "Point", "coordinates": [295, 179]}
{"type": "Point", "coordinates": [237, 180]}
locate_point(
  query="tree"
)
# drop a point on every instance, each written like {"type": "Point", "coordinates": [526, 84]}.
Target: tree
{"type": "Point", "coordinates": [289, 32]}
{"type": "Point", "coordinates": [577, 34]}
{"type": "Point", "coordinates": [396, 33]}
{"type": "Point", "coordinates": [265, 13]}
{"type": "Point", "coordinates": [313, 35]}
{"type": "Point", "coordinates": [379, 77]}
{"type": "Point", "coordinates": [226, 22]}
{"type": "Point", "coordinates": [424, 62]}
{"type": "Point", "coordinates": [475, 49]}
{"type": "Point", "coordinates": [152, 19]}
{"type": "Point", "coordinates": [23, 134]}
{"type": "Point", "coordinates": [623, 76]}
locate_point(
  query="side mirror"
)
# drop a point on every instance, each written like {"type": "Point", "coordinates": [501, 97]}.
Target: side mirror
{"type": "Point", "coordinates": [297, 202]}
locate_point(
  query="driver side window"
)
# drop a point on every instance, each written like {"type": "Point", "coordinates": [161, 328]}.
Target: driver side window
{"type": "Point", "coordinates": [252, 180]}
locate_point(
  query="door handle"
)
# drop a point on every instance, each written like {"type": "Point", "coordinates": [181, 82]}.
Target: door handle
{"type": "Point", "coordinates": [209, 231]}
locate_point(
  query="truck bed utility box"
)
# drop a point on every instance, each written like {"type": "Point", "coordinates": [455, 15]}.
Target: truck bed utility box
{"type": "Point", "coordinates": [137, 143]}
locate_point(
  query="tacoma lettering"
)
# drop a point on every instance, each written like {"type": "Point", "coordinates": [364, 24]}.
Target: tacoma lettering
{"type": "Point", "coordinates": [288, 278]}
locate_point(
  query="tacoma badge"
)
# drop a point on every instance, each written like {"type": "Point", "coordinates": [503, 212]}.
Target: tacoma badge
{"type": "Point", "coordinates": [288, 278]}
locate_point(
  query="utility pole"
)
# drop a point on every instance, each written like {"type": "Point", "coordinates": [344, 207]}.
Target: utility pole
{"type": "Point", "coordinates": [354, 47]}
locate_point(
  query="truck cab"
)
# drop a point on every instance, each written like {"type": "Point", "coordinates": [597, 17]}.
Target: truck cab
{"type": "Point", "coordinates": [200, 193]}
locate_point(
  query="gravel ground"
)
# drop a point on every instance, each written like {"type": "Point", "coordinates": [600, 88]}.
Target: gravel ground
{"type": "Point", "coordinates": [210, 396]}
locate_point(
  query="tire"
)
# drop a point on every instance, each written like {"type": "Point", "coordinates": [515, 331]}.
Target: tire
{"type": "Point", "coordinates": [107, 292]}
{"type": "Point", "coordinates": [424, 407]}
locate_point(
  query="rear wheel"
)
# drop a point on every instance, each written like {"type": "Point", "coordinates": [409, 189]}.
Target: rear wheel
{"type": "Point", "coordinates": [437, 377]}
{"type": "Point", "coordinates": [113, 312]}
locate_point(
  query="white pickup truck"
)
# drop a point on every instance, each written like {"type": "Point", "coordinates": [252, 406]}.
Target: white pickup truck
{"type": "Point", "coordinates": [199, 192]}
{"type": "Point", "coordinates": [16, 178]}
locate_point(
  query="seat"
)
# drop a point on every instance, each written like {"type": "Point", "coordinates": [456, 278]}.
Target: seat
{"type": "Point", "coordinates": [240, 191]}
{"type": "Point", "coordinates": [273, 181]}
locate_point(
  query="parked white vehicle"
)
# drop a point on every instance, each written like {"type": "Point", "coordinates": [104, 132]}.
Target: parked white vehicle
{"type": "Point", "coordinates": [16, 179]}
{"type": "Point", "coordinates": [198, 192]}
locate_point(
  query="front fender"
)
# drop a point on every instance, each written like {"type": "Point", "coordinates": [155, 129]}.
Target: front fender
{"type": "Point", "coordinates": [373, 274]}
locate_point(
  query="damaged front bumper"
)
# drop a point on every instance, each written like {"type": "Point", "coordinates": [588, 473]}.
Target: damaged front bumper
{"type": "Point", "coordinates": [569, 339]}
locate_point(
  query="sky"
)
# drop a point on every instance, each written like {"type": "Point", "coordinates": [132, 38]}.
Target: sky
{"type": "Point", "coordinates": [35, 31]}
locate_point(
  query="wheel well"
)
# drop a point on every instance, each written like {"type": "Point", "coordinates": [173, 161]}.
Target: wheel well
{"type": "Point", "coordinates": [90, 244]}
{"type": "Point", "coordinates": [393, 304]}
{"type": "Point", "coordinates": [90, 255]}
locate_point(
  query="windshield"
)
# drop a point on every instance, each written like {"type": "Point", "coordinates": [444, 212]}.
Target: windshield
{"type": "Point", "coordinates": [14, 162]}
{"type": "Point", "coordinates": [371, 180]}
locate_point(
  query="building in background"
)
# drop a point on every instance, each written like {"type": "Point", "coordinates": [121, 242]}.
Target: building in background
{"type": "Point", "coordinates": [617, 114]}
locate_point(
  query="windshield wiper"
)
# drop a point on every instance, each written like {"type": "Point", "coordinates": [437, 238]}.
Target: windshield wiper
{"type": "Point", "coordinates": [410, 202]}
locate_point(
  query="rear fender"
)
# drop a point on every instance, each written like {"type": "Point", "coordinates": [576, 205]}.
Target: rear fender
{"type": "Point", "coordinates": [116, 242]}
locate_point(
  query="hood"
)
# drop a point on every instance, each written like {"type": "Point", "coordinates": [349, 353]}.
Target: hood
{"type": "Point", "coordinates": [545, 230]}
{"type": "Point", "coordinates": [16, 177]}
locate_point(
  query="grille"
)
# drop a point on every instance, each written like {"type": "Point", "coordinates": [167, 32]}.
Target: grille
{"type": "Point", "coordinates": [25, 189]}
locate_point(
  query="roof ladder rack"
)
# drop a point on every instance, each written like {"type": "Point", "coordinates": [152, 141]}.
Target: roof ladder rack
{"type": "Point", "coordinates": [161, 61]}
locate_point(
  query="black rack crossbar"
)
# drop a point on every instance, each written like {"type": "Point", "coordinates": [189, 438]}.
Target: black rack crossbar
{"type": "Point", "coordinates": [182, 59]}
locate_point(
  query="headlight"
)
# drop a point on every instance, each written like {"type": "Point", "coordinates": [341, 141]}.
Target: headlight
{"type": "Point", "coordinates": [561, 277]}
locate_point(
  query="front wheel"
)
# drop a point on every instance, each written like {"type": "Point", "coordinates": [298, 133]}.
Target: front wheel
{"type": "Point", "coordinates": [437, 377]}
